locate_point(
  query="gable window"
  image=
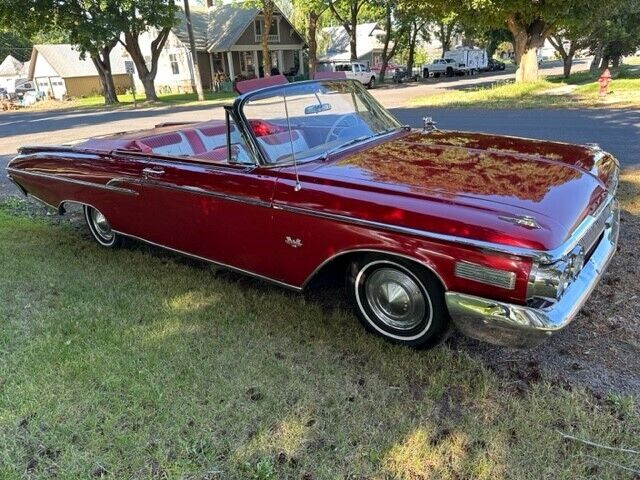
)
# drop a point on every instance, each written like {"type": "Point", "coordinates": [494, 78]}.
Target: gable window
{"type": "Point", "coordinates": [274, 31]}
{"type": "Point", "coordinates": [175, 68]}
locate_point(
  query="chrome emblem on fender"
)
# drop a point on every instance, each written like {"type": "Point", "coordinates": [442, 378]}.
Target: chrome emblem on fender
{"type": "Point", "coordinates": [522, 220]}
{"type": "Point", "coordinates": [293, 242]}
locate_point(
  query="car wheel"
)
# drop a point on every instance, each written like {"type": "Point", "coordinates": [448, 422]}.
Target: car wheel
{"type": "Point", "coordinates": [449, 72]}
{"type": "Point", "coordinates": [101, 229]}
{"type": "Point", "coordinates": [398, 300]}
{"type": "Point", "coordinates": [425, 73]}
{"type": "Point", "coordinates": [372, 83]}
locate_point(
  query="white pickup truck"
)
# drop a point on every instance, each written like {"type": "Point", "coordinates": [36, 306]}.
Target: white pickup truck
{"type": "Point", "coordinates": [354, 70]}
{"type": "Point", "coordinates": [440, 66]}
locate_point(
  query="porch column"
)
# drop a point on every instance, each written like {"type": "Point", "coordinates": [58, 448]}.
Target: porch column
{"type": "Point", "coordinates": [300, 62]}
{"type": "Point", "coordinates": [232, 74]}
{"type": "Point", "coordinates": [211, 65]}
{"type": "Point", "coordinates": [256, 67]}
{"type": "Point", "coordinates": [280, 61]}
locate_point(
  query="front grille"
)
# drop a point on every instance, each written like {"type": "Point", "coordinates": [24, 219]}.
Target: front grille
{"type": "Point", "coordinates": [592, 235]}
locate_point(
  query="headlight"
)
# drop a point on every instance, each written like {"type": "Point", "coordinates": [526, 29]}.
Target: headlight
{"type": "Point", "coordinates": [549, 281]}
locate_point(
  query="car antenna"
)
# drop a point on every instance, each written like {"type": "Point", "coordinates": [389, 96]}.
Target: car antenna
{"type": "Point", "coordinates": [298, 186]}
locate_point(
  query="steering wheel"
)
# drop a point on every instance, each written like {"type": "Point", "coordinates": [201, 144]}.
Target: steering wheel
{"type": "Point", "coordinates": [336, 129]}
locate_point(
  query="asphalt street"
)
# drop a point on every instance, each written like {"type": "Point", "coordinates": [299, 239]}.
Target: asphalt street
{"type": "Point", "coordinates": [616, 130]}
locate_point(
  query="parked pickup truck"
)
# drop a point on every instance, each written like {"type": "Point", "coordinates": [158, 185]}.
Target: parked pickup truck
{"type": "Point", "coordinates": [353, 70]}
{"type": "Point", "coordinates": [440, 66]}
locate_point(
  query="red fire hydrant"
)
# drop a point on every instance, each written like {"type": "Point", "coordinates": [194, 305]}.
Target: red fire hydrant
{"type": "Point", "coordinates": [604, 81]}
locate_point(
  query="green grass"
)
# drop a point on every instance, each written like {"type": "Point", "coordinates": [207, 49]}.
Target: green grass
{"type": "Point", "coordinates": [579, 90]}
{"type": "Point", "coordinates": [139, 364]}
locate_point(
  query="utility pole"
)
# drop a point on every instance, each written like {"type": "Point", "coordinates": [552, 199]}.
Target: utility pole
{"type": "Point", "coordinates": [194, 54]}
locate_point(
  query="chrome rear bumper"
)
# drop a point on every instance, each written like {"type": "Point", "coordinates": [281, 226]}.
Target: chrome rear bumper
{"type": "Point", "coordinates": [521, 326]}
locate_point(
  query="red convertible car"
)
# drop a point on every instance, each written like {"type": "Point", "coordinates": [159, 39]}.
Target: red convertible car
{"type": "Point", "coordinates": [504, 238]}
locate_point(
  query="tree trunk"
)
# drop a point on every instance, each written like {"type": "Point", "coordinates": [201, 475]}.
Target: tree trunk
{"type": "Point", "coordinates": [197, 79]}
{"type": "Point", "coordinates": [413, 38]}
{"type": "Point", "coordinates": [385, 47]}
{"type": "Point", "coordinates": [597, 58]}
{"type": "Point", "coordinates": [445, 33]}
{"type": "Point", "coordinates": [616, 62]}
{"type": "Point", "coordinates": [313, 43]}
{"type": "Point", "coordinates": [353, 33]}
{"type": "Point", "coordinates": [606, 59]}
{"type": "Point", "coordinates": [147, 76]}
{"type": "Point", "coordinates": [102, 62]}
{"type": "Point", "coordinates": [527, 39]}
{"type": "Point", "coordinates": [267, 16]}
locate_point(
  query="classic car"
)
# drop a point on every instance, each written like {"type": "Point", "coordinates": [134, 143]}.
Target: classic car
{"type": "Point", "coordinates": [504, 238]}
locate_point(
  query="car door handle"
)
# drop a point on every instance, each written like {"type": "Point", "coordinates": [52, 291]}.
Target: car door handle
{"type": "Point", "coordinates": [152, 171]}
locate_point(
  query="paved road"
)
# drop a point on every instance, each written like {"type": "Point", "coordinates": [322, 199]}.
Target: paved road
{"type": "Point", "coordinates": [616, 130]}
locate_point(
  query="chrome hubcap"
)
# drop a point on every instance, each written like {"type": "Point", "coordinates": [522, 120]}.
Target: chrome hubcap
{"type": "Point", "coordinates": [102, 227]}
{"type": "Point", "coordinates": [395, 298]}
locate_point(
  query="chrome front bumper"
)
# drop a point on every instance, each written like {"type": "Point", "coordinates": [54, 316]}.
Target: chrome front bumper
{"type": "Point", "coordinates": [520, 326]}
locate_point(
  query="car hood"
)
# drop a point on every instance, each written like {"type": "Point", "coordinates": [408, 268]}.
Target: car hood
{"type": "Point", "coordinates": [506, 190]}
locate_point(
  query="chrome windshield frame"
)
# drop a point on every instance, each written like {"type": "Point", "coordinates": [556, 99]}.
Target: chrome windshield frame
{"type": "Point", "coordinates": [239, 103]}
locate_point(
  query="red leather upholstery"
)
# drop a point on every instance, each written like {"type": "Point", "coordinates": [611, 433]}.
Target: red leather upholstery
{"type": "Point", "coordinates": [195, 141]}
{"type": "Point", "coordinates": [217, 155]}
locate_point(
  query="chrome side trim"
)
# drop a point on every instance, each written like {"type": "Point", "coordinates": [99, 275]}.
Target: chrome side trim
{"type": "Point", "coordinates": [541, 256]}
{"type": "Point", "coordinates": [208, 193]}
{"type": "Point", "coordinates": [523, 326]}
{"type": "Point", "coordinates": [73, 181]}
{"type": "Point", "coordinates": [220, 264]}
{"type": "Point", "coordinates": [370, 250]}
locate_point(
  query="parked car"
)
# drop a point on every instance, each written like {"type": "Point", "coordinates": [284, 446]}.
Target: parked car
{"type": "Point", "coordinates": [503, 237]}
{"type": "Point", "coordinates": [353, 70]}
{"type": "Point", "coordinates": [23, 86]}
{"type": "Point", "coordinates": [494, 65]}
{"type": "Point", "coordinates": [440, 66]}
{"type": "Point", "coordinates": [4, 95]}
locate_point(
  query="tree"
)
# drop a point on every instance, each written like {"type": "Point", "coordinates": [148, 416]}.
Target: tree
{"type": "Point", "coordinates": [268, 8]}
{"type": "Point", "coordinates": [308, 18]}
{"type": "Point", "coordinates": [615, 33]}
{"type": "Point", "coordinates": [194, 53]}
{"type": "Point", "coordinates": [346, 12]}
{"type": "Point", "coordinates": [530, 23]}
{"type": "Point", "coordinates": [572, 33]}
{"type": "Point", "coordinates": [136, 17]}
{"type": "Point", "coordinates": [88, 25]}
{"type": "Point", "coordinates": [391, 31]}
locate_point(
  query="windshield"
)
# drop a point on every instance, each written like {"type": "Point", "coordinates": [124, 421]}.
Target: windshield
{"type": "Point", "coordinates": [312, 119]}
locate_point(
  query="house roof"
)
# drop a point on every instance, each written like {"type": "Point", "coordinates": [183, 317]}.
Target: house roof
{"type": "Point", "coordinates": [66, 61]}
{"type": "Point", "coordinates": [10, 67]}
{"type": "Point", "coordinates": [218, 28]}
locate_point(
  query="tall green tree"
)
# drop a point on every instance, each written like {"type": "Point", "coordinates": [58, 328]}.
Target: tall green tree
{"type": "Point", "coordinates": [136, 17]}
{"type": "Point", "coordinates": [529, 21]}
{"type": "Point", "coordinates": [347, 12]}
{"type": "Point", "coordinates": [309, 17]}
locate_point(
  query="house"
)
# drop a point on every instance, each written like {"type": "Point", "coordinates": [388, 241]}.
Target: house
{"type": "Point", "coordinates": [228, 40]}
{"type": "Point", "coordinates": [11, 69]}
{"type": "Point", "coordinates": [58, 71]}
{"type": "Point", "coordinates": [369, 44]}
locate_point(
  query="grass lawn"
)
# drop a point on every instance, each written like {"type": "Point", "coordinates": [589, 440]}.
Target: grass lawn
{"type": "Point", "coordinates": [137, 363]}
{"type": "Point", "coordinates": [579, 90]}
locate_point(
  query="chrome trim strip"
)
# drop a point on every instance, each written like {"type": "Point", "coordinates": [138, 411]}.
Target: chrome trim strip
{"type": "Point", "coordinates": [73, 181]}
{"type": "Point", "coordinates": [538, 255]}
{"type": "Point", "coordinates": [370, 250]}
{"type": "Point", "coordinates": [220, 264]}
{"type": "Point", "coordinates": [208, 193]}
{"type": "Point", "coordinates": [523, 326]}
